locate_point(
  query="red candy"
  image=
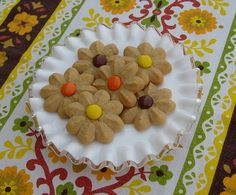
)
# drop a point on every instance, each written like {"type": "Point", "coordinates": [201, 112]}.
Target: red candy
{"type": "Point", "coordinates": [68, 89]}
{"type": "Point", "coordinates": [114, 83]}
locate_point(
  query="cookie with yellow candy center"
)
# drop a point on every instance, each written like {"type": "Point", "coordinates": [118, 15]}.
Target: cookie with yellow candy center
{"type": "Point", "coordinates": [144, 61]}
{"type": "Point", "coordinates": [94, 111]}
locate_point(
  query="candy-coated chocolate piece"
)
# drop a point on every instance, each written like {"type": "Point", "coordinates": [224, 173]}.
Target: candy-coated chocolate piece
{"type": "Point", "coordinates": [68, 89]}
{"type": "Point", "coordinates": [114, 82]}
{"type": "Point", "coordinates": [99, 60]}
{"type": "Point", "coordinates": [93, 111]}
{"type": "Point", "coordinates": [144, 61]}
{"type": "Point", "coordinates": [145, 102]}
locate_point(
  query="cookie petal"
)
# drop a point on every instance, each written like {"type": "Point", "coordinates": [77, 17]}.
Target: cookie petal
{"type": "Point", "coordinates": [104, 72]}
{"type": "Point", "coordinates": [127, 98]}
{"type": "Point", "coordinates": [74, 109]}
{"type": "Point", "coordinates": [85, 54]}
{"type": "Point", "coordinates": [158, 53]}
{"type": "Point", "coordinates": [110, 50]}
{"type": "Point", "coordinates": [116, 66]}
{"type": "Point", "coordinates": [96, 47]}
{"type": "Point", "coordinates": [49, 90]}
{"type": "Point", "coordinates": [88, 88]}
{"type": "Point", "coordinates": [104, 134]}
{"type": "Point", "coordinates": [71, 75]}
{"type": "Point", "coordinates": [141, 121]}
{"type": "Point", "coordinates": [155, 75]}
{"type": "Point", "coordinates": [142, 73]}
{"type": "Point", "coordinates": [158, 94]}
{"type": "Point", "coordinates": [113, 121]}
{"type": "Point", "coordinates": [85, 98]}
{"type": "Point", "coordinates": [101, 97]}
{"type": "Point", "coordinates": [52, 103]}
{"type": "Point", "coordinates": [163, 66]}
{"type": "Point", "coordinates": [145, 48]}
{"type": "Point", "coordinates": [83, 66]}
{"type": "Point", "coordinates": [100, 84]}
{"type": "Point", "coordinates": [131, 52]}
{"type": "Point", "coordinates": [129, 70]}
{"type": "Point", "coordinates": [56, 79]}
{"type": "Point", "coordinates": [134, 84]}
{"type": "Point", "coordinates": [74, 123]}
{"type": "Point", "coordinates": [166, 105]}
{"type": "Point", "coordinates": [113, 107]}
{"type": "Point", "coordinates": [85, 79]}
{"type": "Point", "coordinates": [61, 108]}
{"type": "Point", "coordinates": [129, 114]}
{"type": "Point", "coordinates": [157, 117]}
{"type": "Point", "coordinates": [86, 134]}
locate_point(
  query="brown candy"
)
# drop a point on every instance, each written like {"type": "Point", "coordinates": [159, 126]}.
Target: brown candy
{"type": "Point", "coordinates": [99, 60]}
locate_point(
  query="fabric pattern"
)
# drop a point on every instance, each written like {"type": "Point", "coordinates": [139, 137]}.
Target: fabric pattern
{"type": "Point", "coordinates": [205, 162]}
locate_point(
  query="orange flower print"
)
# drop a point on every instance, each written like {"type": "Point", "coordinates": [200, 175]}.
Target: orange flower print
{"type": "Point", "coordinates": [55, 158]}
{"type": "Point", "coordinates": [104, 173]}
{"type": "Point", "coordinates": [14, 182]}
{"type": "Point", "coordinates": [117, 6]}
{"type": "Point", "coordinates": [230, 185]}
{"type": "Point", "coordinates": [23, 23]}
{"type": "Point", "coordinates": [197, 21]}
{"type": "Point", "coordinates": [3, 58]}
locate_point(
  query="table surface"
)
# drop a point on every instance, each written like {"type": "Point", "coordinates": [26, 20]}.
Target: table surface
{"type": "Point", "coordinates": [204, 163]}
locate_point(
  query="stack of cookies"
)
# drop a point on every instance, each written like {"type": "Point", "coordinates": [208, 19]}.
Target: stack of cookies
{"type": "Point", "coordinates": [102, 91]}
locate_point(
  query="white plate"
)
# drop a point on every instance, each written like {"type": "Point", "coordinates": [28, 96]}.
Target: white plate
{"type": "Point", "coordinates": [129, 147]}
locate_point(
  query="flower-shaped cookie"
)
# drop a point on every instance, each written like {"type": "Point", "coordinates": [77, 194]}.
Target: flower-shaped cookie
{"type": "Point", "coordinates": [152, 107]}
{"type": "Point", "coordinates": [96, 56]}
{"type": "Point", "coordinates": [94, 117]}
{"type": "Point", "coordinates": [120, 80]}
{"type": "Point", "coordinates": [151, 61]}
{"type": "Point", "coordinates": [64, 89]}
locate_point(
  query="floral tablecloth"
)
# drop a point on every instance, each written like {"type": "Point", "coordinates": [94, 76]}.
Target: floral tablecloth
{"type": "Point", "coordinates": [205, 162]}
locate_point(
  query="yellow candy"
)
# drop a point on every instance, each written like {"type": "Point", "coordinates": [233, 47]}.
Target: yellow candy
{"type": "Point", "coordinates": [144, 61]}
{"type": "Point", "coordinates": [94, 111]}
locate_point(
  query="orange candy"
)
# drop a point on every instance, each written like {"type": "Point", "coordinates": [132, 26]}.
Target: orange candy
{"type": "Point", "coordinates": [68, 89]}
{"type": "Point", "coordinates": [114, 83]}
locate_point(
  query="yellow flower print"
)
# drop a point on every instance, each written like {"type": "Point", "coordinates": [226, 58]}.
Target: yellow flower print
{"type": "Point", "coordinates": [55, 158]}
{"type": "Point", "coordinates": [230, 187]}
{"type": "Point", "coordinates": [23, 23]}
{"type": "Point", "coordinates": [3, 58]}
{"type": "Point", "coordinates": [197, 21]}
{"type": "Point", "coordinates": [14, 182]}
{"type": "Point", "coordinates": [117, 6]}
